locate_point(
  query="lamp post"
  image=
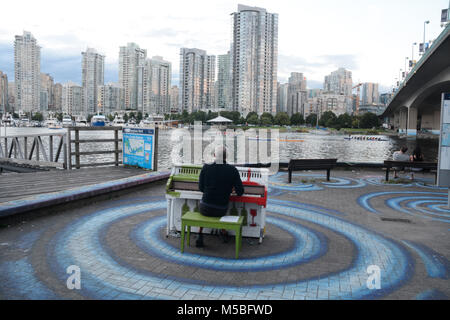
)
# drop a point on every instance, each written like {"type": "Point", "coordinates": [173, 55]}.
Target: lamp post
{"type": "Point", "coordinates": [412, 54]}
{"type": "Point", "coordinates": [406, 61]}
{"type": "Point", "coordinates": [424, 24]}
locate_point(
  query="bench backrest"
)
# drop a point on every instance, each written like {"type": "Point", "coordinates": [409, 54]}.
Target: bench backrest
{"type": "Point", "coordinates": [415, 164]}
{"type": "Point", "coordinates": [311, 163]}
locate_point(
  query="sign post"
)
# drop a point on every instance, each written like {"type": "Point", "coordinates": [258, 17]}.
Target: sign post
{"type": "Point", "coordinates": [140, 147]}
{"type": "Point", "coordinates": [444, 145]}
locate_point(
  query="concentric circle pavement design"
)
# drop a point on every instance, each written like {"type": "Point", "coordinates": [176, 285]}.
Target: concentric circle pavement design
{"type": "Point", "coordinates": [426, 205]}
{"type": "Point", "coordinates": [314, 182]}
{"type": "Point", "coordinates": [108, 273]}
{"type": "Point", "coordinates": [309, 182]}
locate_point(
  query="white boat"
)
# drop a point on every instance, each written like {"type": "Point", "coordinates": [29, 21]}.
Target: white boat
{"type": "Point", "coordinates": [53, 123]}
{"type": "Point", "coordinates": [154, 121]}
{"type": "Point", "coordinates": [81, 122]}
{"type": "Point", "coordinates": [146, 123]}
{"type": "Point", "coordinates": [24, 122]}
{"type": "Point", "coordinates": [320, 132]}
{"type": "Point", "coordinates": [118, 121]}
{"type": "Point", "coordinates": [98, 120]}
{"type": "Point", "coordinates": [131, 122]}
{"type": "Point", "coordinates": [67, 121]}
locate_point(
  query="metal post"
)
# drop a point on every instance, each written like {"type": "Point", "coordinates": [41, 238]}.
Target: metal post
{"type": "Point", "coordinates": [77, 149]}
{"type": "Point", "coordinates": [155, 160]}
{"type": "Point", "coordinates": [51, 148]}
{"type": "Point", "coordinates": [116, 146]}
{"type": "Point", "coordinates": [69, 148]}
{"type": "Point", "coordinates": [65, 166]}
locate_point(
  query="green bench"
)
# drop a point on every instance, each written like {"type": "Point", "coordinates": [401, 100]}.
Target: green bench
{"type": "Point", "coordinates": [196, 219]}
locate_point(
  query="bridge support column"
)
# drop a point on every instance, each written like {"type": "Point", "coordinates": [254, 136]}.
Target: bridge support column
{"type": "Point", "coordinates": [403, 120]}
{"type": "Point", "coordinates": [412, 122]}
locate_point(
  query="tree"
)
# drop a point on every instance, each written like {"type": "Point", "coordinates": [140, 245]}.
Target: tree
{"type": "Point", "coordinates": [311, 119]}
{"type": "Point", "coordinates": [250, 114]}
{"type": "Point", "coordinates": [37, 117]}
{"type": "Point", "coordinates": [369, 120]}
{"type": "Point", "coordinates": [253, 119]}
{"type": "Point", "coordinates": [297, 119]}
{"type": "Point", "coordinates": [328, 119]}
{"type": "Point", "coordinates": [344, 120]}
{"type": "Point", "coordinates": [139, 116]}
{"type": "Point", "coordinates": [241, 120]}
{"type": "Point", "coordinates": [282, 119]}
{"type": "Point", "coordinates": [266, 119]}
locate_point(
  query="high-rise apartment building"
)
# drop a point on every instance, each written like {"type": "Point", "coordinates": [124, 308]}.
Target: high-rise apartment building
{"type": "Point", "coordinates": [72, 102]}
{"type": "Point", "coordinates": [255, 52]}
{"type": "Point", "coordinates": [27, 71]}
{"type": "Point", "coordinates": [11, 96]}
{"type": "Point", "coordinates": [174, 99]}
{"type": "Point", "coordinates": [297, 94]}
{"type": "Point", "coordinates": [282, 96]}
{"type": "Point", "coordinates": [57, 97]}
{"type": "Point", "coordinates": [340, 82]}
{"type": "Point", "coordinates": [224, 81]}
{"type": "Point", "coordinates": [110, 98]}
{"type": "Point", "coordinates": [158, 75]}
{"type": "Point", "coordinates": [197, 76]}
{"type": "Point", "coordinates": [92, 76]}
{"type": "Point", "coordinates": [370, 94]}
{"type": "Point", "coordinates": [131, 75]}
{"type": "Point", "coordinates": [3, 93]}
{"type": "Point", "coordinates": [47, 92]}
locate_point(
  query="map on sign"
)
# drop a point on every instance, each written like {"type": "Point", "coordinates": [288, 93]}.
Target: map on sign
{"type": "Point", "coordinates": [445, 135]}
{"type": "Point", "coordinates": [134, 146]}
{"type": "Point", "coordinates": [138, 147]}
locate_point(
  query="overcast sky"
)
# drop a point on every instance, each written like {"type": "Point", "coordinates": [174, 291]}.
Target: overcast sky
{"type": "Point", "coordinates": [371, 38]}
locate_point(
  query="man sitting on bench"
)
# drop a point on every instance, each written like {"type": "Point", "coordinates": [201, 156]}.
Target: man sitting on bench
{"type": "Point", "coordinates": [217, 181]}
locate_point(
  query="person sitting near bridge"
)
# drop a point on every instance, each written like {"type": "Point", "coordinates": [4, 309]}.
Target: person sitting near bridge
{"type": "Point", "coordinates": [217, 181]}
{"type": "Point", "coordinates": [416, 156]}
{"type": "Point", "coordinates": [400, 156]}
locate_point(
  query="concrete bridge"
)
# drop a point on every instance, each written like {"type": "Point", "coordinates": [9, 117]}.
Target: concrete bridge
{"type": "Point", "coordinates": [416, 106]}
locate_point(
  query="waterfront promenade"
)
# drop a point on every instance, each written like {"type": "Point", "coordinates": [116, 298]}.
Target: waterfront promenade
{"type": "Point", "coordinates": [321, 238]}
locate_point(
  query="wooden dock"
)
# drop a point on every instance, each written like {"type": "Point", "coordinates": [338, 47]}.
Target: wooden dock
{"type": "Point", "coordinates": [22, 185]}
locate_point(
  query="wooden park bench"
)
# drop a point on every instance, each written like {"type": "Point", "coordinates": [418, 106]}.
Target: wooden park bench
{"type": "Point", "coordinates": [311, 164]}
{"type": "Point", "coordinates": [389, 164]}
{"type": "Point", "coordinates": [196, 219]}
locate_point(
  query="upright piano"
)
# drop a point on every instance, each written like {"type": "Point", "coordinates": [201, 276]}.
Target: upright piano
{"type": "Point", "coordinates": [183, 195]}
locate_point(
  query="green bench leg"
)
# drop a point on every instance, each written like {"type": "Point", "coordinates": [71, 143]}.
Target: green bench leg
{"type": "Point", "coordinates": [182, 237]}
{"type": "Point", "coordinates": [189, 236]}
{"type": "Point", "coordinates": [238, 241]}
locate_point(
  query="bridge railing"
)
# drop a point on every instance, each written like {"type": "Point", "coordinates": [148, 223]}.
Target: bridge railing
{"type": "Point", "coordinates": [35, 149]}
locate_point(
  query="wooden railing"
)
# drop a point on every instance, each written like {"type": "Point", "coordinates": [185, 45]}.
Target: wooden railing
{"type": "Point", "coordinates": [76, 141]}
{"type": "Point", "coordinates": [16, 149]}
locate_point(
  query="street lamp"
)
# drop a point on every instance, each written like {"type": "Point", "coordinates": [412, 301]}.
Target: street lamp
{"type": "Point", "coordinates": [424, 24]}
{"type": "Point", "coordinates": [412, 53]}
{"type": "Point", "coordinates": [406, 60]}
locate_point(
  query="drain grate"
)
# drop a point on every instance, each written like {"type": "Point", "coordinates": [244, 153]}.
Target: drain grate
{"type": "Point", "coordinates": [395, 220]}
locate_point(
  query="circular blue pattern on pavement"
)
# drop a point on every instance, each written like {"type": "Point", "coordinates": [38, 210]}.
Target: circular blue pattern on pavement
{"type": "Point", "coordinates": [104, 277]}
{"type": "Point", "coordinates": [308, 245]}
{"type": "Point", "coordinates": [427, 205]}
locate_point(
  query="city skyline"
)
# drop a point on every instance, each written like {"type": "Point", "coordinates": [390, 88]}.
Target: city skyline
{"type": "Point", "coordinates": [165, 31]}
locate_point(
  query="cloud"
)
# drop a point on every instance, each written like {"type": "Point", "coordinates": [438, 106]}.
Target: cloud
{"type": "Point", "coordinates": [162, 33]}
{"type": "Point", "coordinates": [347, 61]}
